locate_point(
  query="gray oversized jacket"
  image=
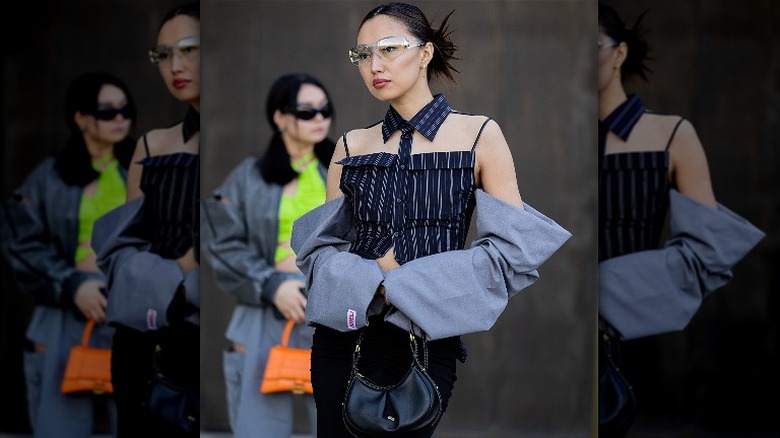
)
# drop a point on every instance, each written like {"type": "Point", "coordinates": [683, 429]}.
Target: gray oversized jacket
{"type": "Point", "coordinates": [141, 284]}
{"type": "Point", "coordinates": [658, 291]}
{"type": "Point", "coordinates": [39, 239]}
{"type": "Point", "coordinates": [446, 294]}
{"type": "Point", "coordinates": [240, 241]}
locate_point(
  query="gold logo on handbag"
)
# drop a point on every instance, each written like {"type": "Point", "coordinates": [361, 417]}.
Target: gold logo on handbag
{"type": "Point", "coordinates": [88, 368]}
{"type": "Point", "coordinates": [288, 369]}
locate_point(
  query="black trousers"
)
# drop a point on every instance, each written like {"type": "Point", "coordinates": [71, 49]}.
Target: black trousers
{"type": "Point", "coordinates": [385, 357]}
{"type": "Point", "coordinates": [132, 369]}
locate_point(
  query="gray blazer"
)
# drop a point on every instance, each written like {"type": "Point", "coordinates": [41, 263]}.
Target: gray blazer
{"type": "Point", "coordinates": [240, 241]}
{"type": "Point", "coordinates": [239, 235]}
{"type": "Point", "coordinates": [39, 238]}
{"type": "Point", "coordinates": [446, 294]}
{"type": "Point", "coordinates": [658, 291]}
{"type": "Point", "coordinates": [141, 284]}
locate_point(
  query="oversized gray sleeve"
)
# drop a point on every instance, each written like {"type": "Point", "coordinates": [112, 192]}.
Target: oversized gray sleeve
{"type": "Point", "coordinates": [658, 291]}
{"type": "Point", "coordinates": [239, 271]}
{"type": "Point", "coordinates": [141, 284]}
{"type": "Point", "coordinates": [341, 285]}
{"type": "Point", "coordinates": [38, 267]}
{"type": "Point", "coordinates": [459, 292]}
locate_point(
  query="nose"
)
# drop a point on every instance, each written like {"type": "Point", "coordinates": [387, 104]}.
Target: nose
{"type": "Point", "coordinates": [376, 64]}
{"type": "Point", "coordinates": [176, 61]}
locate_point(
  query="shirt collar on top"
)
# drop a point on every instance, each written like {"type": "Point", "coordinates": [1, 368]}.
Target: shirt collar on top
{"type": "Point", "coordinates": [427, 121]}
{"type": "Point", "coordinates": [622, 120]}
{"type": "Point", "coordinates": [191, 124]}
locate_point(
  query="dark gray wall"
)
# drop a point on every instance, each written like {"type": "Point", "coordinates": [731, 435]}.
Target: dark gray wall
{"type": "Point", "coordinates": [46, 44]}
{"type": "Point", "coordinates": [524, 63]}
{"type": "Point", "coordinates": [717, 63]}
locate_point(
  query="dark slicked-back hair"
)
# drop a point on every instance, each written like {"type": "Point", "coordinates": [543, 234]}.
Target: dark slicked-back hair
{"type": "Point", "coordinates": [419, 26]}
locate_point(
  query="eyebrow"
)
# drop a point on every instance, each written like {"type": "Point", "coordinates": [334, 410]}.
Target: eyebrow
{"type": "Point", "coordinates": [176, 43]}
{"type": "Point", "coordinates": [383, 38]}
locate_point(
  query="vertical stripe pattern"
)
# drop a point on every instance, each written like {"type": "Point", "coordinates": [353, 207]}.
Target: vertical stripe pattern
{"type": "Point", "coordinates": [622, 120]}
{"type": "Point", "coordinates": [633, 202]}
{"type": "Point", "coordinates": [633, 188]}
{"type": "Point", "coordinates": [171, 189]}
{"type": "Point", "coordinates": [418, 204]}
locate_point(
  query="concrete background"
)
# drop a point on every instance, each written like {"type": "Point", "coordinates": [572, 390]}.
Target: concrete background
{"type": "Point", "coordinates": [717, 63]}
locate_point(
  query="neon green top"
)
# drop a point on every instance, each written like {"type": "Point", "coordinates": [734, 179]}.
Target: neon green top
{"type": "Point", "coordinates": [310, 194]}
{"type": "Point", "coordinates": [110, 193]}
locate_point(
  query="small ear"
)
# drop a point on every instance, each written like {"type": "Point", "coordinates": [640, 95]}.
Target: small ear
{"type": "Point", "coordinates": [428, 50]}
{"type": "Point", "coordinates": [81, 120]}
{"type": "Point", "coordinates": [622, 54]}
{"type": "Point", "coordinates": [279, 119]}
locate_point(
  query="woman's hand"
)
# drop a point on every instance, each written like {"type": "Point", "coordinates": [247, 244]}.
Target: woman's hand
{"type": "Point", "coordinates": [383, 293]}
{"type": "Point", "coordinates": [387, 262]}
{"type": "Point", "coordinates": [90, 300]}
{"type": "Point", "coordinates": [187, 262]}
{"type": "Point", "coordinates": [290, 301]}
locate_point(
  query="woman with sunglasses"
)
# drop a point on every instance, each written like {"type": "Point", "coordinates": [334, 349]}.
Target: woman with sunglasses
{"type": "Point", "coordinates": [247, 241]}
{"type": "Point", "coordinates": [389, 246]}
{"type": "Point", "coordinates": [149, 251]}
{"type": "Point", "coordinates": [50, 219]}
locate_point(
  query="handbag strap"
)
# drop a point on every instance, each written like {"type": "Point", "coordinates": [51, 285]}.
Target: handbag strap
{"type": "Point", "coordinates": [412, 344]}
{"type": "Point", "coordinates": [287, 331]}
{"type": "Point", "coordinates": [87, 332]}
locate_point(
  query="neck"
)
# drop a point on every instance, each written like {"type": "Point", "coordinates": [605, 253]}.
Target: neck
{"type": "Point", "coordinates": [97, 149]}
{"type": "Point", "coordinates": [412, 101]}
{"type": "Point", "coordinates": [610, 98]}
{"type": "Point", "coordinates": [195, 103]}
{"type": "Point", "coordinates": [296, 148]}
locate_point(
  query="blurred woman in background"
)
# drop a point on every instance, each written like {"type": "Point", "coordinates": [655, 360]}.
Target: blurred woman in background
{"type": "Point", "coordinates": [50, 223]}
{"type": "Point", "coordinates": [247, 240]}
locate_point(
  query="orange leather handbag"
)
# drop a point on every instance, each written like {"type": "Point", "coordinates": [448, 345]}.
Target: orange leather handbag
{"type": "Point", "coordinates": [88, 368]}
{"type": "Point", "coordinates": [288, 369]}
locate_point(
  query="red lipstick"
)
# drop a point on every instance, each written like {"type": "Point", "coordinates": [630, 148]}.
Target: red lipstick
{"type": "Point", "coordinates": [379, 83]}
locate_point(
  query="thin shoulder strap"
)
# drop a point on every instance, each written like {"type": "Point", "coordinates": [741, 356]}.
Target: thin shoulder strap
{"type": "Point", "coordinates": [674, 131]}
{"type": "Point", "coordinates": [479, 134]}
{"type": "Point", "coordinates": [344, 138]}
{"type": "Point", "coordinates": [146, 146]}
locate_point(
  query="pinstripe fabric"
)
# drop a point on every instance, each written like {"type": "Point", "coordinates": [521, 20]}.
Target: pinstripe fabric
{"type": "Point", "coordinates": [633, 202]}
{"type": "Point", "coordinates": [418, 204]}
{"type": "Point", "coordinates": [633, 189]}
{"type": "Point", "coordinates": [171, 189]}
{"type": "Point", "coordinates": [622, 120]}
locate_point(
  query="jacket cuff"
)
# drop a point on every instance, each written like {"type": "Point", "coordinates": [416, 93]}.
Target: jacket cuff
{"type": "Point", "coordinates": [69, 288]}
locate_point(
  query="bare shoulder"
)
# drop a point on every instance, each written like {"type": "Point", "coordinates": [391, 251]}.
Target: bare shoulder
{"type": "Point", "coordinates": [668, 123]}
{"type": "Point", "coordinates": [468, 123]}
{"type": "Point", "coordinates": [164, 141]}
{"type": "Point", "coordinates": [680, 134]}
{"type": "Point", "coordinates": [361, 141]}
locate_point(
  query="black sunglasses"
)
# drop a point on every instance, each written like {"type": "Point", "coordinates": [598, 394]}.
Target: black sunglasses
{"type": "Point", "coordinates": [110, 113]}
{"type": "Point", "coordinates": [310, 113]}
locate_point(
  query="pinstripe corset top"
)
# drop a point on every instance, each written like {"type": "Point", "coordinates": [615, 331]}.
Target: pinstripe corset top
{"type": "Point", "coordinates": [418, 204]}
{"type": "Point", "coordinates": [171, 191]}
{"type": "Point", "coordinates": [633, 189]}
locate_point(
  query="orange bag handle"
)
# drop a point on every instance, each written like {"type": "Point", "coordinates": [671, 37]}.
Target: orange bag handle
{"type": "Point", "coordinates": [287, 331]}
{"type": "Point", "coordinates": [87, 332]}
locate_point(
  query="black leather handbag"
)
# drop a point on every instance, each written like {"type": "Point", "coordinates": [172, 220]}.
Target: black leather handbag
{"type": "Point", "coordinates": [617, 405]}
{"type": "Point", "coordinates": [173, 404]}
{"type": "Point", "coordinates": [411, 404]}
